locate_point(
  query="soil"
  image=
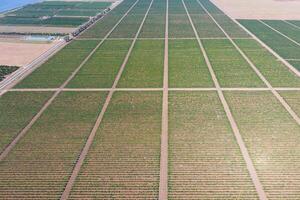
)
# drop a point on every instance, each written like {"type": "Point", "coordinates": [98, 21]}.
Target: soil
{"type": "Point", "coordinates": [261, 9]}
{"type": "Point", "coordinates": [21, 54]}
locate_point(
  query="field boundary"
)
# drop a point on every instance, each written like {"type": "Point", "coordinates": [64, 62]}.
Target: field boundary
{"type": "Point", "coordinates": [163, 176]}
{"type": "Point", "coordinates": [170, 38]}
{"type": "Point", "coordinates": [6, 151]}
{"type": "Point", "coordinates": [255, 69]}
{"type": "Point", "coordinates": [250, 166]}
{"type": "Point", "coordinates": [150, 89]}
{"type": "Point", "coordinates": [90, 139]}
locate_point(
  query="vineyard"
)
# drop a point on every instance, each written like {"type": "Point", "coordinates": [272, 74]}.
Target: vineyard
{"type": "Point", "coordinates": [160, 99]}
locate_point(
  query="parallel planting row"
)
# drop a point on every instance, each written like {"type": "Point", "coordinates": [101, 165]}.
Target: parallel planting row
{"type": "Point", "coordinates": [282, 36]}
{"type": "Point", "coordinates": [205, 161]}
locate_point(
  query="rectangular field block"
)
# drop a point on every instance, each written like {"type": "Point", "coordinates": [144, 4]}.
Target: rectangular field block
{"type": "Point", "coordinates": [154, 26]}
{"type": "Point", "coordinates": [123, 162]}
{"type": "Point", "coordinates": [145, 65]}
{"type": "Point", "coordinates": [205, 27]}
{"type": "Point", "coordinates": [272, 139]}
{"type": "Point", "coordinates": [176, 7]}
{"type": "Point", "coordinates": [101, 69]}
{"type": "Point", "coordinates": [17, 109]}
{"type": "Point", "coordinates": [39, 166]}
{"type": "Point", "coordinates": [187, 67]}
{"type": "Point", "coordinates": [128, 27]}
{"type": "Point", "coordinates": [204, 159]}
{"type": "Point", "coordinates": [180, 27]}
{"type": "Point", "coordinates": [231, 69]}
{"type": "Point", "coordinates": [273, 69]}
{"type": "Point", "coordinates": [58, 68]}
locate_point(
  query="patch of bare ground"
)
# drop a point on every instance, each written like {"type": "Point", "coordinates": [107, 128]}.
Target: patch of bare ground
{"type": "Point", "coordinates": [21, 54]}
{"type": "Point", "coordinates": [34, 29]}
{"type": "Point", "coordinates": [260, 9]}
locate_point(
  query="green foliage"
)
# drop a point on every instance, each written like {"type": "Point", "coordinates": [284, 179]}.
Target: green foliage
{"type": "Point", "coordinates": [145, 65]}
{"type": "Point", "coordinates": [231, 69]}
{"type": "Point", "coordinates": [17, 109]}
{"type": "Point", "coordinates": [59, 67]}
{"type": "Point", "coordinates": [187, 67]}
{"type": "Point", "coordinates": [47, 153]}
{"type": "Point", "coordinates": [202, 147]}
{"type": "Point", "coordinates": [101, 69]}
{"type": "Point", "coordinates": [6, 70]}
{"type": "Point", "coordinates": [274, 70]}
{"type": "Point", "coordinates": [125, 154]}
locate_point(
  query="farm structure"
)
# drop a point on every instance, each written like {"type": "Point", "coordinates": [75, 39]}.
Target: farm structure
{"type": "Point", "coordinates": [160, 99]}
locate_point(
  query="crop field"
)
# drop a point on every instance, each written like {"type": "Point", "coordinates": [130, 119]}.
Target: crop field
{"type": "Point", "coordinates": [160, 99]}
{"type": "Point", "coordinates": [282, 36]}
{"type": "Point", "coordinates": [56, 13]}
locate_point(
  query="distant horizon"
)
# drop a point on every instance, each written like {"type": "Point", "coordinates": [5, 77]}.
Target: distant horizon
{"type": "Point", "coordinates": [7, 5]}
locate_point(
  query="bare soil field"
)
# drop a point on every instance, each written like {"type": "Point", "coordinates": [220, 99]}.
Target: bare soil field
{"type": "Point", "coordinates": [35, 29]}
{"type": "Point", "coordinates": [260, 9]}
{"type": "Point", "coordinates": [20, 54]}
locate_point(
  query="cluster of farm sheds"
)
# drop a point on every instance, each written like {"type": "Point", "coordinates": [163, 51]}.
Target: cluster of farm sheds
{"type": "Point", "coordinates": [89, 23]}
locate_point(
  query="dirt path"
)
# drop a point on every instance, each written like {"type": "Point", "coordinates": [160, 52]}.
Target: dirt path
{"type": "Point", "coordinates": [258, 73]}
{"type": "Point", "coordinates": [163, 181]}
{"type": "Point", "coordinates": [90, 139]}
{"type": "Point", "coordinates": [233, 124]}
{"type": "Point", "coordinates": [45, 106]}
{"type": "Point", "coordinates": [173, 38]}
{"type": "Point", "coordinates": [148, 89]}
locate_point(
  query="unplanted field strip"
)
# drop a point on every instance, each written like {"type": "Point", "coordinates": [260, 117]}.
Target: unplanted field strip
{"type": "Point", "coordinates": [242, 146]}
{"type": "Point", "coordinates": [163, 176]}
{"type": "Point", "coordinates": [45, 106]}
{"type": "Point", "coordinates": [149, 89]}
{"type": "Point", "coordinates": [277, 31]}
{"type": "Point", "coordinates": [170, 38]}
{"type": "Point", "coordinates": [259, 74]}
{"type": "Point", "coordinates": [91, 137]}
